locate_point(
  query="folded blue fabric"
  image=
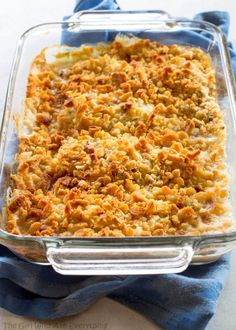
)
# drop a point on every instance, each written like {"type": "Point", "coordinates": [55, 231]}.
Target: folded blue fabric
{"type": "Point", "coordinates": [174, 301]}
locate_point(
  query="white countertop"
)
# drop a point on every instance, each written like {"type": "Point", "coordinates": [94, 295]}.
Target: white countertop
{"type": "Point", "coordinates": [15, 17]}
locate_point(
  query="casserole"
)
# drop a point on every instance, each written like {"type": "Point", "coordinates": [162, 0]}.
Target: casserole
{"type": "Point", "coordinates": [139, 255]}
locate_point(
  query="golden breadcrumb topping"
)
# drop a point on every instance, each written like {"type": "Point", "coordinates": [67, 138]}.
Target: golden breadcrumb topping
{"type": "Point", "coordinates": [120, 139]}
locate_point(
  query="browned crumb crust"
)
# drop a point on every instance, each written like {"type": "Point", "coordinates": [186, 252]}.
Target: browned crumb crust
{"type": "Point", "coordinates": [126, 139]}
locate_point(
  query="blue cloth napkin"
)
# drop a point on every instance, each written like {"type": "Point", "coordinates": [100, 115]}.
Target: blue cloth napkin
{"type": "Point", "coordinates": [174, 301]}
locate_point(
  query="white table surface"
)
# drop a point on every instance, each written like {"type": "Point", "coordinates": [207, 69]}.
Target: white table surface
{"type": "Point", "coordinates": [15, 17]}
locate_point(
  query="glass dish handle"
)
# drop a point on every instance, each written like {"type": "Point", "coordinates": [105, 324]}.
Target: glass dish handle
{"type": "Point", "coordinates": [84, 260]}
{"type": "Point", "coordinates": [98, 16]}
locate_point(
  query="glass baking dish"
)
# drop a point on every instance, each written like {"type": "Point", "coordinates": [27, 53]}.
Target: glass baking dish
{"type": "Point", "coordinates": [135, 255]}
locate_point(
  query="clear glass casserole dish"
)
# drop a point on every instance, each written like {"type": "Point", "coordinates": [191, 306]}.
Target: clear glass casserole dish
{"type": "Point", "coordinates": [136, 255]}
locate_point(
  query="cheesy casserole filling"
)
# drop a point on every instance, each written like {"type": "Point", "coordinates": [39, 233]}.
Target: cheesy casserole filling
{"type": "Point", "coordinates": [121, 139]}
